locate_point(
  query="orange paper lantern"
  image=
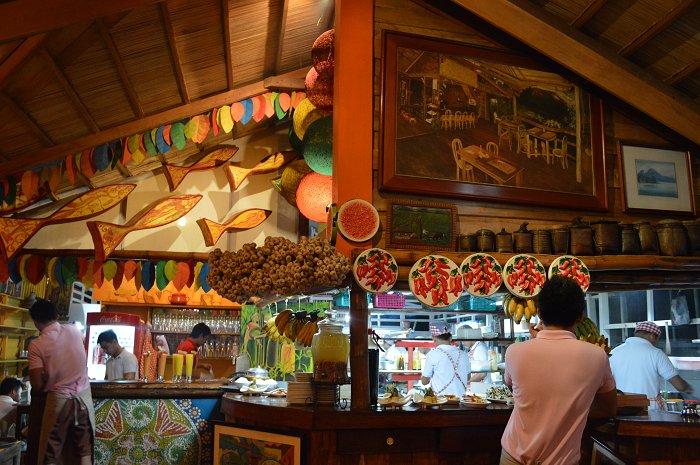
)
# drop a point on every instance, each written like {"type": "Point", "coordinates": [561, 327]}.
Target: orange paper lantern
{"type": "Point", "coordinates": [314, 193]}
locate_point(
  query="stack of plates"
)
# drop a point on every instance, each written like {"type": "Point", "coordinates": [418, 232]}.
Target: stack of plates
{"type": "Point", "coordinates": [326, 394]}
{"type": "Point", "coordinates": [303, 377]}
{"type": "Point", "coordinates": [299, 393]}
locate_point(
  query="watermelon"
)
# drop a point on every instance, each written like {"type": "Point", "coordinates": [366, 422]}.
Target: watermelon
{"type": "Point", "coordinates": [358, 220]}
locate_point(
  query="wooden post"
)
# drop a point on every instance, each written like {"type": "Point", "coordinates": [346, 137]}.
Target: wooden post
{"type": "Point", "coordinates": [359, 355]}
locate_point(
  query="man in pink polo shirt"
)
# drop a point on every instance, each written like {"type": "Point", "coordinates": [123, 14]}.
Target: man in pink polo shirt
{"type": "Point", "coordinates": [557, 382]}
{"type": "Point", "coordinates": [58, 367]}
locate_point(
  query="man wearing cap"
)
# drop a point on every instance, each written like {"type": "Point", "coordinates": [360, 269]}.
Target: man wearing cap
{"type": "Point", "coordinates": [638, 365]}
{"type": "Point", "coordinates": [446, 367]}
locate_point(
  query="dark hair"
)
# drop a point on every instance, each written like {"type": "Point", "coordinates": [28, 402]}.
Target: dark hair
{"type": "Point", "coordinates": [444, 336]}
{"type": "Point", "coordinates": [200, 329]}
{"type": "Point", "coordinates": [107, 336]}
{"type": "Point", "coordinates": [43, 311]}
{"type": "Point", "coordinates": [9, 384]}
{"type": "Point", "coordinates": [561, 302]}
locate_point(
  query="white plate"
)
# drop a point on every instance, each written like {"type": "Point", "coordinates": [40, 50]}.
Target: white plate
{"type": "Point", "coordinates": [393, 401]}
{"type": "Point", "coordinates": [500, 401]}
{"type": "Point", "coordinates": [571, 267]}
{"type": "Point", "coordinates": [524, 275]}
{"type": "Point", "coordinates": [435, 281]}
{"type": "Point", "coordinates": [482, 274]}
{"type": "Point", "coordinates": [469, 404]}
{"type": "Point", "coordinates": [440, 400]}
{"type": "Point", "coordinates": [375, 270]}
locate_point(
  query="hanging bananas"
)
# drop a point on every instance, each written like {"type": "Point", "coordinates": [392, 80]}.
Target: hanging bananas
{"type": "Point", "coordinates": [291, 327]}
{"type": "Point", "coordinates": [518, 308]}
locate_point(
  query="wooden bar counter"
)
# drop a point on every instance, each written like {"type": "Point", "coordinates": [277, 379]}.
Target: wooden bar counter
{"type": "Point", "coordinates": [446, 435]}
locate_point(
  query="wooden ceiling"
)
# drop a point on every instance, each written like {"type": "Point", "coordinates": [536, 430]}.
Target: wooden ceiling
{"type": "Point", "coordinates": [77, 73]}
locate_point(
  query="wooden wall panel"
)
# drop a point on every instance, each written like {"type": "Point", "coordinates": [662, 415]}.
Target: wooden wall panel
{"type": "Point", "coordinates": [412, 17]}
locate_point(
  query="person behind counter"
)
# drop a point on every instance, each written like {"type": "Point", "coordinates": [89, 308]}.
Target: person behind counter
{"type": "Point", "coordinates": [638, 365]}
{"type": "Point", "coordinates": [121, 364]}
{"type": "Point", "coordinates": [557, 382]}
{"type": "Point", "coordinates": [10, 390]}
{"type": "Point", "coordinates": [57, 366]}
{"type": "Point", "coordinates": [446, 367]}
{"type": "Point", "coordinates": [199, 335]}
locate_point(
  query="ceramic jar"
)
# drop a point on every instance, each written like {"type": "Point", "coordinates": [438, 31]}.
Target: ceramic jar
{"type": "Point", "coordinates": [485, 240]}
{"type": "Point", "coordinates": [560, 239]}
{"type": "Point", "coordinates": [467, 242]}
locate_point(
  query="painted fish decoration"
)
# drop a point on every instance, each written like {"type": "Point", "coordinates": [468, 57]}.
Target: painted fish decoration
{"type": "Point", "coordinates": [15, 232]}
{"type": "Point", "coordinates": [217, 157]}
{"type": "Point", "coordinates": [236, 174]}
{"type": "Point", "coordinates": [106, 236]}
{"type": "Point", "coordinates": [247, 219]}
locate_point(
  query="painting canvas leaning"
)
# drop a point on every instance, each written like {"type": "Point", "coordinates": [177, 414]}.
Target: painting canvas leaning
{"type": "Point", "coordinates": [488, 118]}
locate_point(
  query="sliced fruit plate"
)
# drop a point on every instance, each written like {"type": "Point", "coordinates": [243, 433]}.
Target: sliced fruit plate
{"type": "Point", "coordinates": [474, 401]}
{"type": "Point", "coordinates": [572, 267]}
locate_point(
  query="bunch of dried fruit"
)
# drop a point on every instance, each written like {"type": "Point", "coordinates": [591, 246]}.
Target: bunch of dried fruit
{"type": "Point", "coordinates": [279, 267]}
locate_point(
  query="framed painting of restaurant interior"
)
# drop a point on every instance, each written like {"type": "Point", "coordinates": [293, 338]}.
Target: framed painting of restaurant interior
{"type": "Point", "coordinates": [475, 123]}
{"type": "Point", "coordinates": [239, 446]}
{"type": "Point", "coordinates": [656, 179]}
{"type": "Point", "coordinates": [418, 225]}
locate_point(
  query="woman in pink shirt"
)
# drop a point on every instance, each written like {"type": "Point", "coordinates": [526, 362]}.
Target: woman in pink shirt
{"type": "Point", "coordinates": [557, 382]}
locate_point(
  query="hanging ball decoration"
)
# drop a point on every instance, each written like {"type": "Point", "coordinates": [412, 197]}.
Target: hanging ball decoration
{"type": "Point", "coordinates": [305, 114]}
{"type": "Point", "coordinates": [322, 52]}
{"type": "Point", "coordinates": [314, 194]}
{"type": "Point", "coordinates": [318, 147]}
{"type": "Point", "coordinates": [319, 89]}
{"type": "Point", "coordinates": [294, 141]}
{"type": "Point", "coordinates": [291, 177]}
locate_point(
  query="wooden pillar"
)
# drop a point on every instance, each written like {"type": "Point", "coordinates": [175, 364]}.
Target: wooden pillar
{"type": "Point", "coordinates": [359, 355]}
{"type": "Point", "coordinates": [352, 155]}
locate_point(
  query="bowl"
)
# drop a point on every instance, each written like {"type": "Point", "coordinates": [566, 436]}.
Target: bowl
{"type": "Point", "coordinates": [178, 299]}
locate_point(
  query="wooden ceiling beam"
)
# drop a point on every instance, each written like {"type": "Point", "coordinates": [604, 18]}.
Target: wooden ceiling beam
{"type": "Point", "coordinates": [119, 64]}
{"type": "Point", "coordinates": [72, 95]}
{"type": "Point", "coordinates": [19, 55]}
{"type": "Point", "coordinates": [683, 73]}
{"type": "Point", "coordinates": [280, 39]}
{"type": "Point", "coordinates": [149, 122]}
{"type": "Point", "coordinates": [659, 26]}
{"type": "Point", "coordinates": [9, 102]}
{"type": "Point", "coordinates": [590, 60]}
{"type": "Point", "coordinates": [22, 18]}
{"type": "Point", "coordinates": [226, 24]}
{"type": "Point", "coordinates": [174, 53]}
{"type": "Point", "coordinates": [84, 40]}
{"type": "Point", "coordinates": [588, 13]}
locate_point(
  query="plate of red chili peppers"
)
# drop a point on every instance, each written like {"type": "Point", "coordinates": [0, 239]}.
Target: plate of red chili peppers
{"type": "Point", "coordinates": [571, 267]}
{"type": "Point", "coordinates": [482, 274]}
{"type": "Point", "coordinates": [375, 270]}
{"type": "Point", "coordinates": [435, 281]}
{"type": "Point", "coordinates": [524, 275]}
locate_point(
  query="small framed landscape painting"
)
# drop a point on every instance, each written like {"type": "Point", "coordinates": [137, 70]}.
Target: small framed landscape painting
{"type": "Point", "coordinates": [240, 446]}
{"type": "Point", "coordinates": [418, 225]}
{"type": "Point", "coordinates": [656, 179]}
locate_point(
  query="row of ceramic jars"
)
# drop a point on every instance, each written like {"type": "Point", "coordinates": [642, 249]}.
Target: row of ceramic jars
{"type": "Point", "coordinates": [600, 237]}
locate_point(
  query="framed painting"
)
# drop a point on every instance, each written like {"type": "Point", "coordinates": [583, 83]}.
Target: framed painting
{"type": "Point", "coordinates": [239, 446]}
{"type": "Point", "coordinates": [656, 179]}
{"type": "Point", "coordinates": [418, 225]}
{"type": "Point", "coordinates": [481, 124]}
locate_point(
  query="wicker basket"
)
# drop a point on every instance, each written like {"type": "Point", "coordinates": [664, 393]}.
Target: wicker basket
{"type": "Point", "coordinates": [389, 300]}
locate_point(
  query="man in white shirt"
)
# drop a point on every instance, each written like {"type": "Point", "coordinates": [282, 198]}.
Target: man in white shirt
{"type": "Point", "coordinates": [122, 364]}
{"type": "Point", "coordinates": [638, 366]}
{"type": "Point", "coordinates": [446, 367]}
{"type": "Point", "coordinates": [10, 390]}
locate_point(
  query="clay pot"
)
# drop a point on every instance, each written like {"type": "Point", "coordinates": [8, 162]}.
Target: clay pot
{"type": "Point", "coordinates": [485, 240]}
{"type": "Point", "coordinates": [673, 240]}
{"type": "Point", "coordinates": [581, 236]}
{"type": "Point", "coordinates": [693, 230]}
{"type": "Point", "coordinates": [606, 237]}
{"type": "Point", "coordinates": [522, 240]}
{"type": "Point", "coordinates": [467, 242]}
{"type": "Point", "coordinates": [178, 299]}
{"type": "Point", "coordinates": [631, 244]}
{"type": "Point", "coordinates": [560, 239]}
{"type": "Point", "coordinates": [504, 241]}
{"type": "Point", "coordinates": [648, 239]}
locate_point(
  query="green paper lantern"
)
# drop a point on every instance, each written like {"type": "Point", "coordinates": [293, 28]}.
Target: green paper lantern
{"type": "Point", "coordinates": [318, 146]}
